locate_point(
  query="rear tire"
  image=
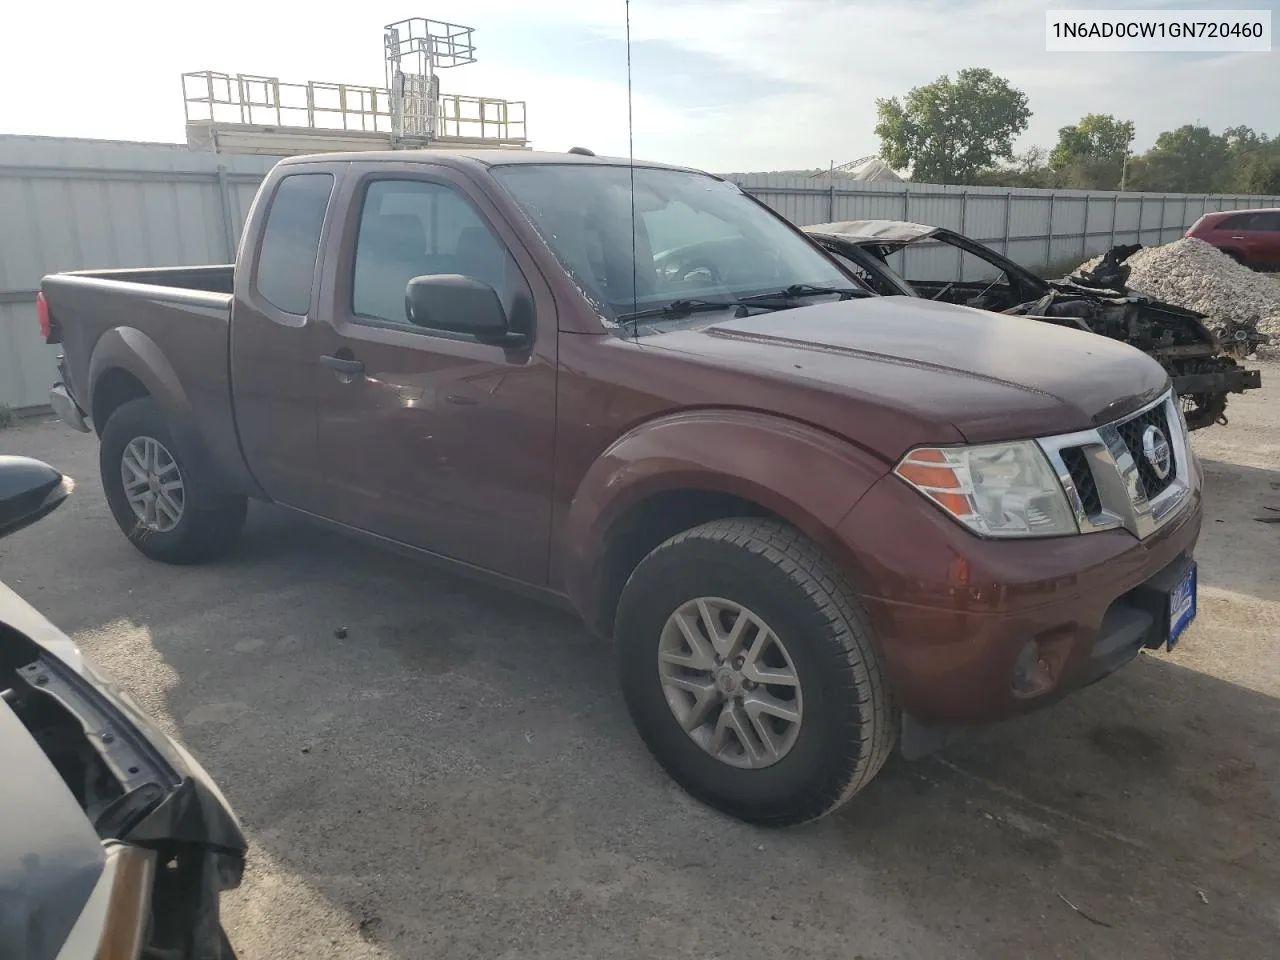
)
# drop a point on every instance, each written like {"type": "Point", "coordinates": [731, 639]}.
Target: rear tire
{"type": "Point", "coordinates": [167, 512]}
{"type": "Point", "coordinates": [845, 722]}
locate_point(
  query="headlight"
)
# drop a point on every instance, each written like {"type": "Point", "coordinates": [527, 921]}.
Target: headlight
{"type": "Point", "coordinates": [996, 490]}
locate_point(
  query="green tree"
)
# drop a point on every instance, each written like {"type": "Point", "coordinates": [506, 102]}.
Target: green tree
{"type": "Point", "coordinates": [1091, 154]}
{"type": "Point", "coordinates": [947, 131]}
{"type": "Point", "coordinates": [1028, 169]}
{"type": "Point", "coordinates": [1259, 172]}
{"type": "Point", "coordinates": [1191, 159]}
{"type": "Point", "coordinates": [1242, 139]}
{"type": "Point", "coordinates": [1253, 161]}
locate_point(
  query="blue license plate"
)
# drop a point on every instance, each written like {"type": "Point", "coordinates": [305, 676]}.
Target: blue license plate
{"type": "Point", "coordinates": [1182, 607]}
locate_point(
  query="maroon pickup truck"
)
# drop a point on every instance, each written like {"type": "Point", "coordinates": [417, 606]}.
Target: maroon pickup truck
{"type": "Point", "coordinates": [816, 522]}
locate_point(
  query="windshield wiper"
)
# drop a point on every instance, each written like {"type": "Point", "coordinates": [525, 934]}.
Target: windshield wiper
{"type": "Point", "coordinates": [778, 299]}
{"type": "Point", "coordinates": [678, 308]}
{"type": "Point", "coordinates": [798, 290]}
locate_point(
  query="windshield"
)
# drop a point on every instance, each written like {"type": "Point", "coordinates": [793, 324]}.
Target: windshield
{"type": "Point", "coordinates": [696, 237]}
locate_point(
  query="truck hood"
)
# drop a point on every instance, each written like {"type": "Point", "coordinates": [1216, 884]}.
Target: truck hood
{"type": "Point", "coordinates": [932, 370]}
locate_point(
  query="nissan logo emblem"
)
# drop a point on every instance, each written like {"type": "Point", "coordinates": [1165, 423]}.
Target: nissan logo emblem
{"type": "Point", "coordinates": [1155, 447]}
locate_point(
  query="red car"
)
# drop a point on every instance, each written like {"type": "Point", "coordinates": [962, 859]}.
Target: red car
{"type": "Point", "coordinates": [1251, 237]}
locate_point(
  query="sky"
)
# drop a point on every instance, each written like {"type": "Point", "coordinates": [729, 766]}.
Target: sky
{"type": "Point", "coordinates": [725, 85]}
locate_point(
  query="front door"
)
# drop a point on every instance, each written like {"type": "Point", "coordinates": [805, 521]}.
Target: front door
{"type": "Point", "coordinates": [1254, 234]}
{"type": "Point", "coordinates": [428, 437]}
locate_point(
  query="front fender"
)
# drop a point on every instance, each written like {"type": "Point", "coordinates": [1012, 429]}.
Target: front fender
{"type": "Point", "coordinates": [131, 350]}
{"type": "Point", "coordinates": [804, 475]}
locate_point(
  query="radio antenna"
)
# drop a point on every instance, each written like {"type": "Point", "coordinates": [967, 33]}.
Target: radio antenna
{"type": "Point", "coordinates": [631, 163]}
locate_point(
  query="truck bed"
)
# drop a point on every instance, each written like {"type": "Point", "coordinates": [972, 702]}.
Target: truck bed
{"type": "Point", "coordinates": [216, 278]}
{"type": "Point", "coordinates": [177, 318]}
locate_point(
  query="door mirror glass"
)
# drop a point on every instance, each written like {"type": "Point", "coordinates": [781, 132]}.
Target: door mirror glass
{"type": "Point", "coordinates": [458, 304]}
{"type": "Point", "coordinates": [29, 489]}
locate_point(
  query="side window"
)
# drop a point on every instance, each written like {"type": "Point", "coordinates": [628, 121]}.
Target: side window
{"type": "Point", "coordinates": [291, 241]}
{"type": "Point", "coordinates": [412, 228]}
{"type": "Point", "coordinates": [1269, 222]}
{"type": "Point", "coordinates": [1243, 221]}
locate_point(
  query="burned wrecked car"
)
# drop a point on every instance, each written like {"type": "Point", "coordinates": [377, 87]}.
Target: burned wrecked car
{"type": "Point", "coordinates": [1203, 366]}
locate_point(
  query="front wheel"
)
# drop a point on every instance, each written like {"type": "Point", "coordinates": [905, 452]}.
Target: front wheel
{"type": "Point", "coordinates": [165, 510]}
{"type": "Point", "coordinates": [748, 667]}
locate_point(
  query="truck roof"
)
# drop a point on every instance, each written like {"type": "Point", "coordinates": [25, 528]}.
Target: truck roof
{"type": "Point", "coordinates": [478, 158]}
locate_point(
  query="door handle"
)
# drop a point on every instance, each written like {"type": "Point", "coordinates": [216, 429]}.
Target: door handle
{"type": "Point", "coordinates": [1237, 238]}
{"type": "Point", "coordinates": [342, 364]}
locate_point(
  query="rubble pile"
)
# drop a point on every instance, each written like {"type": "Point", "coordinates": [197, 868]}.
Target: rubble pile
{"type": "Point", "coordinates": [1198, 276]}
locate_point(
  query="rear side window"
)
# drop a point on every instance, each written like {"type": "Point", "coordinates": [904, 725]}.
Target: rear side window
{"type": "Point", "coordinates": [1269, 222]}
{"type": "Point", "coordinates": [291, 241]}
{"type": "Point", "coordinates": [1241, 221]}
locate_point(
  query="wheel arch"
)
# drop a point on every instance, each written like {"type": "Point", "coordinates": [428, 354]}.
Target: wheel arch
{"type": "Point", "coordinates": [126, 365]}
{"type": "Point", "coordinates": [675, 473]}
{"type": "Point", "coordinates": [114, 388]}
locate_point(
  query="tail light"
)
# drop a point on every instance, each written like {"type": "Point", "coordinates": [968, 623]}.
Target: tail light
{"type": "Point", "coordinates": [42, 312]}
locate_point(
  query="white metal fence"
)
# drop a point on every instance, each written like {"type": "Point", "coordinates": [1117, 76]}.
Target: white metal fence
{"type": "Point", "coordinates": [1032, 227]}
{"type": "Point", "coordinates": [77, 204]}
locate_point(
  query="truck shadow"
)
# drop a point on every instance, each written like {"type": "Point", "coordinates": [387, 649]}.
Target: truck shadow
{"type": "Point", "coordinates": [1150, 802]}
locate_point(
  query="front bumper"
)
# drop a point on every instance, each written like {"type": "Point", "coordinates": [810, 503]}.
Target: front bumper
{"type": "Point", "coordinates": [954, 613]}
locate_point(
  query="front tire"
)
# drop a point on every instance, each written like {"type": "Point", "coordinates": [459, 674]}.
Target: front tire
{"type": "Point", "coordinates": [165, 510]}
{"type": "Point", "coordinates": [749, 670]}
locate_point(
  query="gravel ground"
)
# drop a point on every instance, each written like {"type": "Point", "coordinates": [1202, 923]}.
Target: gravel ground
{"type": "Point", "coordinates": [458, 777]}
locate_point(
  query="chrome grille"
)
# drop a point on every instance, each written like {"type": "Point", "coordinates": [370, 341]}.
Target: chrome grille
{"type": "Point", "coordinates": [1078, 467]}
{"type": "Point", "coordinates": [1110, 482]}
{"type": "Point", "coordinates": [1131, 432]}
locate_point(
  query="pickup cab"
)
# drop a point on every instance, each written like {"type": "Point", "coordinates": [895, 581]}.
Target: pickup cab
{"type": "Point", "coordinates": [815, 522]}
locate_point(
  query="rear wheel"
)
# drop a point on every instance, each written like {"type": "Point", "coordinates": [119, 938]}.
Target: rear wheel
{"type": "Point", "coordinates": [166, 511]}
{"type": "Point", "coordinates": [749, 670]}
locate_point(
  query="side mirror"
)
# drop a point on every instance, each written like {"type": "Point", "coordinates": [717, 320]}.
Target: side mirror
{"type": "Point", "coordinates": [29, 490]}
{"type": "Point", "coordinates": [458, 304]}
